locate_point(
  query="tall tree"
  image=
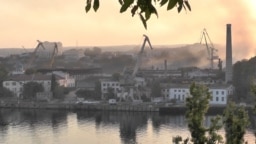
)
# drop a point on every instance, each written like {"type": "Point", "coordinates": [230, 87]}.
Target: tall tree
{"type": "Point", "coordinates": [236, 120]}
{"type": "Point", "coordinates": [97, 90]}
{"type": "Point", "coordinates": [30, 89]}
{"type": "Point", "coordinates": [197, 106]}
{"type": "Point", "coordinates": [155, 89]}
{"type": "Point", "coordinates": [3, 74]}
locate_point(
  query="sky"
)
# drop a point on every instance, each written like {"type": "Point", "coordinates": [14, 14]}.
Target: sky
{"type": "Point", "coordinates": [24, 22]}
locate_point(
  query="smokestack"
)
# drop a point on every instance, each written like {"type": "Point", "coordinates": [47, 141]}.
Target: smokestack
{"type": "Point", "coordinates": [228, 77]}
{"type": "Point", "coordinates": [165, 64]}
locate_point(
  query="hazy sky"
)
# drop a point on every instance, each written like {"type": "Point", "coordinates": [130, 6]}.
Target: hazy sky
{"type": "Point", "coordinates": [25, 21]}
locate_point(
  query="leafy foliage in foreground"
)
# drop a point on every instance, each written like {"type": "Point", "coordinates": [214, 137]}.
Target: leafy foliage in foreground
{"type": "Point", "coordinates": [236, 120]}
{"type": "Point", "coordinates": [144, 8]}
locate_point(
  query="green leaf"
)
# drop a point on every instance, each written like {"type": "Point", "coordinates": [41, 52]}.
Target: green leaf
{"type": "Point", "coordinates": [171, 4]}
{"type": "Point", "coordinates": [180, 3]}
{"type": "Point", "coordinates": [88, 5]}
{"type": "Point", "coordinates": [134, 9]}
{"type": "Point", "coordinates": [126, 4]}
{"type": "Point", "coordinates": [121, 2]}
{"type": "Point", "coordinates": [153, 10]}
{"type": "Point", "coordinates": [188, 5]}
{"type": "Point", "coordinates": [147, 14]}
{"type": "Point", "coordinates": [163, 2]}
{"type": "Point", "coordinates": [143, 21]}
{"type": "Point", "coordinates": [96, 5]}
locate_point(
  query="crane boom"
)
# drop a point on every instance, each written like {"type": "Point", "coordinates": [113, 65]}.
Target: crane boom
{"type": "Point", "coordinates": [210, 47]}
{"type": "Point", "coordinates": [138, 62]}
{"type": "Point", "coordinates": [54, 53]}
{"type": "Point", "coordinates": [34, 53]}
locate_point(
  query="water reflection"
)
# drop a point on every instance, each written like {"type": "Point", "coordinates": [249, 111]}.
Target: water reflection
{"type": "Point", "coordinates": [57, 126]}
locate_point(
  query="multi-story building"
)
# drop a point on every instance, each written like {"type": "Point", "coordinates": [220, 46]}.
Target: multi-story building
{"type": "Point", "coordinates": [15, 83]}
{"type": "Point", "coordinates": [106, 84]}
{"type": "Point", "coordinates": [180, 92]}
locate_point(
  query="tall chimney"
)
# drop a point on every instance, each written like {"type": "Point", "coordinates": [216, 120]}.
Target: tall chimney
{"type": "Point", "coordinates": [228, 77]}
{"type": "Point", "coordinates": [165, 64]}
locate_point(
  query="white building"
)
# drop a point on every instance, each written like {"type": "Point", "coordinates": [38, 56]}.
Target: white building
{"type": "Point", "coordinates": [220, 93]}
{"type": "Point", "coordinates": [15, 82]}
{"type": "Point", "coordinates": [106, 84]}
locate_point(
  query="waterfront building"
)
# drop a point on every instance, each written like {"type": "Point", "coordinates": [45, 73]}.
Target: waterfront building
{"type": "Point", "coordinates": [109, 84]}
{"type": "Point", "coordinates": [15, 83]}
{"type": "Point", "coordinates": [179, 93]}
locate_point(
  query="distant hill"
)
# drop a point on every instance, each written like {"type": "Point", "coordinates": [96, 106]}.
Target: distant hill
{"type": "Point", "coordinates": [4, 52]}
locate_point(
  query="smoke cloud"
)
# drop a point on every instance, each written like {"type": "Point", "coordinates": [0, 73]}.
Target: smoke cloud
{"type": "Point", "coordinates": [243, 40]}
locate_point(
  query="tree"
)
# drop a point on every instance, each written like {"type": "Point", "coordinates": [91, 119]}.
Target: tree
{"type": "Point", "coordinates": [110, 94]}
{"type": "Point", "coordinates": [97, 90]}
{"type": "Point", "coordinates": [53, 83]}
{"type": "Point", "coordinates": [236, 120]}
{"type": "Point", "coordinates": [144, 8]}
{"type": "Point", "coordinates": [4, 92]}
{"type": "Point", "coordinates": [57, 90]}
{"type": "Point", "coordinates": [30, 89]}
{"type": "Point", "coordinates": [30, 71]}
{"type": "Point", "coordinates": [155, 89]}
{"type": "Point", "coordinates": [197, 106]}
{"type": "Point", "coordinates": [116, 76]}
{"type": "Point", "coordinates": [3, 73]}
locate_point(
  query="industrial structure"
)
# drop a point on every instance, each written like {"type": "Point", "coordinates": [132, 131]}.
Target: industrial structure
{"type": "Point", "coordinates": [130, 83]}
{"type": "Point", "coordinates": [211, 51]}
{"type": "Point", "coordinates": [45, 50]}
{"type": "Point", "coordinates": [228, 76]}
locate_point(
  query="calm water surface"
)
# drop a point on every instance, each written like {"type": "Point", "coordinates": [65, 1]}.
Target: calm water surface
{"type": "Point", "coordinates": [81, 127]}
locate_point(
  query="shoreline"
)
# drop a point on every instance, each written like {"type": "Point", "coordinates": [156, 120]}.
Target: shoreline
{"type": "Point", "coordinates": [174, 109]}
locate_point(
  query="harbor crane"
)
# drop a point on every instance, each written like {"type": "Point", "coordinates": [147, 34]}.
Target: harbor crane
{"type": "Point", "coordinates": [211, 51]}
{"type": "Point", "coordinates": [33, 55]}
{"type": "Point", "coordinates": [129, 81]}
{"type": "Point", "coordinates": [54, 54]}
{"type": "Point", "coordinates": [55, 46]}
{"type": "Point", "coordinates": [138, 62]}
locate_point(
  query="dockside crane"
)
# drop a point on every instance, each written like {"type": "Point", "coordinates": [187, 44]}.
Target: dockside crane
{"type": "Point", "coordinates": [138, 62]}
{"type": "Point", "coordinates": [33, 55]}
{"type": "Point", "coordinates": [54, 54]}
{"type": "Point", "coordinates": [211, 51]}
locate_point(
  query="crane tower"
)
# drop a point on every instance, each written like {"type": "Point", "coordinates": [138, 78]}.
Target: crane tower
{"type": "Point", "coordinates": [211, 51]}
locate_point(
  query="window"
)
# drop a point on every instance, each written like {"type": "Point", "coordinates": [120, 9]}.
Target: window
{"type": "Point", "coordinates": [183, 97]}
{"type": "Point", "coordinates": [175, 90]}
{"type": "Point", "coordinates": [222, 98]}
{"type": "Point", "coordinates": [7, 83]}
{"type": "Point", "coordinates": [217, 98]}
{"type": "Point", "coordinates": [175, 96]}
{"type": "Point", "coordinates": [222, 92]}
{"type": "Point", "coordinates": [13, 83]}
{"type": "Point", "coordinates": [104, 84]}
{"type": "Point", "coordinates": [217, 92]}
{"type": "Point", "coordinates": [179, 90]}
{"type": "Point", "coordinates": [183, 90]}
{"type": "Point", "coordinates": [113, 84]}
